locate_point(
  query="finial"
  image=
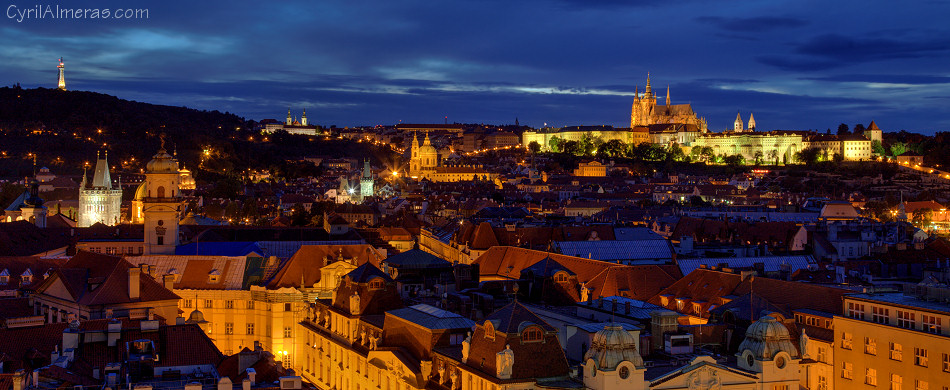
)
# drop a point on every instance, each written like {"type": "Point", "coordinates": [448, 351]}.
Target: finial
{"type": "Point", "coordinates": [162, 137]}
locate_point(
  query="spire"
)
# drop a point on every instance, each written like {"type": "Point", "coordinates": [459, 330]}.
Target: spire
{"type": "Point", "coordinates": [303, 119]}
{"type": "Point", "coordinates": [667, 95]}
{"type": "Point", "coordinates": [647, 92]}
{"type": "Point", "coordinates": [290, 120]}
{"type": "Point", "coordinates": [101, 177]}
{"type": "Point", "coordinates": [737, 126]}
{"type": "Point", "coordinates": [751, 122]}
{"type": "Point", "coordinates": [636, 93]}
{"type": "Point", "coordinates": [427, 142]}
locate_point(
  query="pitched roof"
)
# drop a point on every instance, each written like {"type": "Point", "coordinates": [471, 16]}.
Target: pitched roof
{"type": "Point", "coordinates": [507, 262]}
{"type": "Point", "coordinates": [431, 317]}
{"type": "Point", "coordinates": [366, 272]}
{"type": "Point", "coordinates": [511, 318]}
{"type": "Point", "coordinates": [305, 265]}
{"type": "Point", "coordinates": [640, 282]}
{"type": "Point", "coordinates": [484, 237]}
{"type": "Point", "coordinates": [417, 259]}
{"type": "Point", "coordinates": [109, 277]}
{"type": "Point", "coordinates": [192, 271]}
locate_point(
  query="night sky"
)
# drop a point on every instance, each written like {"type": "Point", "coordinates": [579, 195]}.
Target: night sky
{"type": "Point", "coordinates": [796, 64]}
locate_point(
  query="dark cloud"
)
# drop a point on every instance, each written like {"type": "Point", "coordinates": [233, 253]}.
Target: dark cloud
{"type": "Point", "coordinates": [840, 48]}
{"type": "Point", "coordinates": [885, 78]}
{"type": "Point", "coordinates": [754, 24]}
{"type": "Point", "coordinates": [798, 64]}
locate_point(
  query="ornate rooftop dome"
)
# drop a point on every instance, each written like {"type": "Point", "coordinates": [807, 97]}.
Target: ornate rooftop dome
{"type": "Point", "coordinates": [611, 346]}
{"type": "Point", "coordinates": [196, 317]}
{"type": "Point", "coordinates": [767, 337]}
{"type": "Point", "coordinates": [162, 162]}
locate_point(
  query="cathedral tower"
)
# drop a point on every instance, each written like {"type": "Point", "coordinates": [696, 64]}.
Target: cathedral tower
{"type": "Point", "coordinates": [62, 77]}
{"type": "Point", "coordinates": [751, 122]}
{"type": "Point", "coordinates": [162, 203]}
{"type": "Point", "coordinates": [737, 126]}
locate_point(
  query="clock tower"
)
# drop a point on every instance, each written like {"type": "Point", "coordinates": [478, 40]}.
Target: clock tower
{"type": "Point", "coordinates": [162, 203]}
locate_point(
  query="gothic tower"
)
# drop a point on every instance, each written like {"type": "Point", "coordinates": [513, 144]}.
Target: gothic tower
{"type": "Point", "coordinates": [738, 126]}
{"type": "Point", "coordinates": [162, 203]}
{"type": "Point", "coordinates": [366, 181]}
{"type": "Point", "coordinates": [100, 200]}
{"type": "Point", "coordinates": [62, 77]}
{"type": "Point", "coordinates": [751, 122]}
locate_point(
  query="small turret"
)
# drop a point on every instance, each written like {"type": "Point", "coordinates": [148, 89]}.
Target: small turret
{"type": "Point", "coordinates": [667, 95]}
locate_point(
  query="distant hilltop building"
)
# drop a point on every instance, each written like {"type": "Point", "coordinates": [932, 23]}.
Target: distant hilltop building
{"type": "Point", "coordinates": [424, 164]}
{"type": "Point", "coordinates": [646, 112]}
{"type": "Point", "coordinates": [62, 77]}
{"type": "Point", "coordinates": [293, 126]}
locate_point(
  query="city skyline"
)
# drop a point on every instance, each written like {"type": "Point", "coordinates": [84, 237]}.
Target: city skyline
{"type": "Point", "coordinates": [559, 63]}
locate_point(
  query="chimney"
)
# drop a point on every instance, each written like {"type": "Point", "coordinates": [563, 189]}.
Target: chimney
{"type": "Point", "coordinates": [252, 375]}
{"type": "Point", "coordinates": [224, 383]}
{"type": "Point", "coordinates": [168, 281]}
{"type": "Point", "coordinates": [134, 285]}
{"type": "Point", "coordinates": [246, 384]}
{"type": "Point", "coordinates": [19, 380]}
{"type": "Point", "coordinates": [115, 331]}
{"type": "Point", "coordinates": [626, 307]}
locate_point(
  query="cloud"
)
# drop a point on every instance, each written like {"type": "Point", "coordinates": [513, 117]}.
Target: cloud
{"type": "Point", "coordinates": [885, 79]}
{"type": "Point", "coordinates": [753, 24]}
{"type": "Point", "coordinates": [840, 48]}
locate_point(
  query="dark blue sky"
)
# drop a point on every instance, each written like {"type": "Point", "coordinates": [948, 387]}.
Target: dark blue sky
{"type": "Point", "coordinates": [796, 64]}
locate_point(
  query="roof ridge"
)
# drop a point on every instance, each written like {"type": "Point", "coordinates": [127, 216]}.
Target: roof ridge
{"type": "Point", "coordinates": [108, 276]}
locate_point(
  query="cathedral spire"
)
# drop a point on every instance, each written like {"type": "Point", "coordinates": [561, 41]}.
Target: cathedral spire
{"type": "Point", "coordinates": [647, 92]}
{"type": "Point", "coordinates": [751, 122]}
{"type": "Point", "coordinates": [738, 126]}
{"type": "Point", "coordinates": [667, 95]}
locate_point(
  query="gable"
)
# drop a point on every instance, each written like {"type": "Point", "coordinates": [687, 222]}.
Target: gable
{"type": "Point", "coordinates": [703, 374]}
{"type": "Point", "coordinates": [57, 289]}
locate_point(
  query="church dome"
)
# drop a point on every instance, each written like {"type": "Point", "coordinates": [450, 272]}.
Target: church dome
{"type": "Point", "coordinates": [140, 192]}
{"type": "Point", "coordinates": [162, 162]}
{"type": "Point", "coordinates": [612, 346]}
{"type": "Point", "coordinates": [196, 317]}
{"type": "Point", "coordinates": [766, 338]}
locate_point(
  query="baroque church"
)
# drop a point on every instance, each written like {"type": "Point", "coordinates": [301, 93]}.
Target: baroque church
{"type": "Point", "coordinates": [424, 164]}
{"type": "Point", "coordinates": [646, 112]}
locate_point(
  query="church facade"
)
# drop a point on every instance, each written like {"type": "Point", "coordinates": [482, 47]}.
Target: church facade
{"type": "Point", "coordinates": [100, 201]}
{"type": "Point", "coordinates": [646, 112]}
{"type": "Point", "coordinates": [424, 164]}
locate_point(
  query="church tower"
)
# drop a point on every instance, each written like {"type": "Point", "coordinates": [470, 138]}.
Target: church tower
{"type": "Point", "coordinates": [99, 201]}
{"type": "Point", "coordinates": [667, 95]}
{"type": "Point", "coordinates": [751, 122]}
{"type": "Point", "coordinates": [366, 181]}
{"type": "Point", "coordinates": [62, 77]}
{"type": "Point", "coordinates": [290, 119]}
{"type": "Point", "coordinates": [303, 119]}
{"type": "Point", "coordinates": [738, 126]}
{"type": "Point", "coordinates": [162, 203]}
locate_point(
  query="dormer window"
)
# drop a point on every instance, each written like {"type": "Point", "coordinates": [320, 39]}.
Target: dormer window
{"type": "Point", "coordinates": [376, 284]}
{"type": "Point", "coordinates": [214, 276]}
{"type": "Point", "coordinates": [4, 276]}
{"type": "Point", "coordinates": [532, 334]}
{"type": "Point", "coordinates": [26, 277]}
{"type": "Point", "coordinates": [561, 277]}
{"type": "Point", "coordinates": [489, 330]}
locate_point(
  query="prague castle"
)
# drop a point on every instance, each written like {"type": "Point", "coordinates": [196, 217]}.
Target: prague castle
{"type": "Point", "coordinates": [645, 112]}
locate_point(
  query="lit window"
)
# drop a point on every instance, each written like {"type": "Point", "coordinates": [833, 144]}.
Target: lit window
{"type": "Point", "coordinates": [250, 305]}
{"type": "Point", "coordinates": [229, 304]}
{"type": "Point", "coordinates": [209, 303]}
{"type": "Point", "coordinates": [288, 332]}
{"type": "Point", "coordinates": [946, 362]}
{"type": "Point", "coordinates": [870, 346]}
{"type": "Point", "coordinates": [921, 385]}
{"type": "Point", "coordinates": [250, 329]}
{"type": "Point", "coordinates": [879, 315]}
{"type": "Point", "coordinates": [905, 319]}
{"type": "Point", "coordinates": [856, 310]}
{"type": "Point", "coordinates": [930, 324]}
{"type": "Point", "coordinates": [920, 357]}
{"type": "Point", "coordinates": [870, 376]}
{"type": "Point", "coordinates": [532, 333]}
{"type": "Point", "coordinates": [896, 382]}
{"type": "Point", "coordinates": [896, 351]}
{"type": "Point", "coordinates": [376, 284]}
{"type": "Point", "coordinates": [228, 328]}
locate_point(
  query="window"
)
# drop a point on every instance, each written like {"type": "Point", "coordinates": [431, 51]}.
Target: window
{"type": "Point", "coordinates": [856, 310]}
{"type": "Point", "coordinates": [879, 315]}
{"type": "Point", "coordinates": [946, 362]}
{"type": "Point", "coordinates": [250, 305]}
{"type": "Point", "coordinates": [228, 328]}
{"type": "Point", "coordinates": [870, 346]}
{"type": "Point", "coordinates": [822, 383]}
{"type": "Point", "coordinates": [896, 352]}
{"type": "Point", "coordinates": [288, 307]}
{"type": "Point", "coordinates": [560, 277]}
{"type": "Point", "coordinates": [250, 329]}
{"type": "Point", "coordinates": [930, 324]}
{"type": "Point", "coordinates": [780, 387]}
{"type": "Point", "coordinates": [921, 385]}
{"type": "Point", "coordinates": [376, 284]}
{"type": "Point", "coordinates": [905, 319]}
{"type": "Point", "coordinates": [186, 303]}
{"type": "Point", "coordinates": [920, 357]}
{"type": "Point", "coordinates": [822, 355]}
{"type": "Point", "coordinates": [209, 303]}
{"type": "Point", "coordinates": [229, 304]}
{"type": "Point", "coordinates": [870, 376]}
{"type": "Point", "coordinates": [846, 340]}
{"type": "Point", "coordinates": [896, 382]}
{"type": "Point", "coordinates": [288, 332]}
{"type": "Point", "coordinates": [532, 333]}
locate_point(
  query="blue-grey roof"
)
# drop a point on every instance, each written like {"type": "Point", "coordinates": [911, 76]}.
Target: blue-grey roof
{"type": "Point", "coordinates": [903, 300]}
{"type": "Point", "coordinates": [595, 327]}
{"type": "Point", "coordinates": [238, 248]}
{"type": "Point", "coordinates": [636, 234]}
{"type": "Point", "coordinates": [431, 317]}
{"type": "Point", "coordinates": [772, 263]}
{"type": "Point", "coordinates": [638, 308]}
{"type": "Point", "coordinates": [417, 259]}
{"type": "Point", "coordinates": [18, 202]}
{"type": "Point", "coordinates": [617, 250]}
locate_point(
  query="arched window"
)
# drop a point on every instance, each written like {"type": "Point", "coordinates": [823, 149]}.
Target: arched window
{"type": "Point", "coordinates": [161, 192]}
{"type": "Point", "coordinates": [376, 284]}
{"type": "Point", "coordinates": [560, 277]}
{"type": "Point", "coordinates": [532, 333]}
{"type": "Point", "coordinates": [489, 330]}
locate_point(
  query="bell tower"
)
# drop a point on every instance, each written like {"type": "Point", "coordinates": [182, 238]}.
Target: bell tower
{"type": "Point", "coordinates": [162, 203]}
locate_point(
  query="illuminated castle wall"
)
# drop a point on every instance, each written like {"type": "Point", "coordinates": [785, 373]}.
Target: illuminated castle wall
{"type": "Point", "coordinates": [99, 200]}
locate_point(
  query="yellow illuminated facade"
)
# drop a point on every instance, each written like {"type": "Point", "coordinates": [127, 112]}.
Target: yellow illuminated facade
{"type": "Point", "coordinates": [892, 341]}
{"type": "Point", "coordinates": [100, 200]}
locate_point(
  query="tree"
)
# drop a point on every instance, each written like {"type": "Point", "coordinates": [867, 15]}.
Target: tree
{"type": "Point", "coordinates": [675, 153]}
{"type": "Point", "coordinates": [878, 210]}
{"type": "Point", "coordinates": [734, 160]}
{"type": "Point", "coordinates": [757, 157]}
{"type": "Point", "coordinates": [837, 158]}
{"type": "Point", "coordinates": [773, 156]}
{"type": "Point", "coordinates": [808, 156]}
{"type": "Point", "coordinates": [555, 144]}
{"type": "Point", "coordinates": [859, 129]}
{"type": "Point", "coordinates": [534, 147]}
{"type": "Point", "coordinates": [922, 217]}
{"type": "Point", "coordinates": [843, 129]}
{"type": "Point", "coordinates": [612, 148]}
{"type": "Point", "coordinates": [898, 148]}
{"type": "Point", "coordinates": [572, 147]}
{"type": "Point", "coordinates": [299, 215]}
{"type": "Point", "coordinates": [877, 148]}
